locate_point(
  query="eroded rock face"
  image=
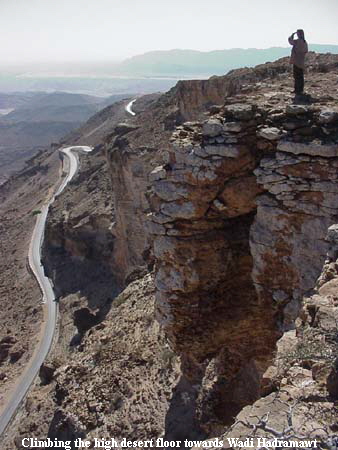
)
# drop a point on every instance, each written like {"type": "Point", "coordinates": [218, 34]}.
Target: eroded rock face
{"type": "Point", "coordinates": [239, 219]}
{"type": "Point", "coordinates": [287, 238]}
{"type": "Point", "coordinates": [134, 147]}
{"type": "Point", "coordinates": [129, 170]}
{"type": "Point", "coordinates": [203, 209]}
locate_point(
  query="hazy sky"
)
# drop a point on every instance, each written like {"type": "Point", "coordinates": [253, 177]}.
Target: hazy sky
{"type": "Point", "coordinates": [70, 30]}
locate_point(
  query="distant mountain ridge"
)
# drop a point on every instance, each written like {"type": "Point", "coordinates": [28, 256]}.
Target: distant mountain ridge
{"type": "Point", "coordinates": [217, 62]}
{"type": "Point", "coordinates": [134, 74]}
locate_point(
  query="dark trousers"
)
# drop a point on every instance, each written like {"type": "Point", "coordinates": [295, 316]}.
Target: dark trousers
{"type": "Point", "coordinates": [298, 75]}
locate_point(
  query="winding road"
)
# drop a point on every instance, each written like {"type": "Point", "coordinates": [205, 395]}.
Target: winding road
{"type": "Point", "coordinates": [129, 106]}
{"type": "Point", "coordinates": [46, 286]}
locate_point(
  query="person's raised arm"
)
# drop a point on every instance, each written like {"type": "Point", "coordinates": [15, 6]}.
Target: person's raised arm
{"type": "Point", "coordinates": [291, 39]}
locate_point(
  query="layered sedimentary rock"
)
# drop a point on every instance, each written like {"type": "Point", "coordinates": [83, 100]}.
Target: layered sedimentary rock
{"type": "Point", "coordinates": [300, 203]}
{"type": "Point", "coordinates": [240, 213]}
{"type": "Point", "coordinates": [192, 97]}
{"type": "Point", "coordinates": [202, 212]}
{"type": "Point", "coordinates": [128, 170]}
{"type": "Point", "coordinates": [287, 238]}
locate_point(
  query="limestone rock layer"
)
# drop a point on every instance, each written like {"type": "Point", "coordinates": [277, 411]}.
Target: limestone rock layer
{"type": "Point", "coordinates": [239, 217]}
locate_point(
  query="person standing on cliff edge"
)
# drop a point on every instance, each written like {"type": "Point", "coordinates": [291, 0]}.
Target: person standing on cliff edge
{"type": "Point", "coordinates": [299, 50]}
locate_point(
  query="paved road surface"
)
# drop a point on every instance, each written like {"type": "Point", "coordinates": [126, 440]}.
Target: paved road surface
{"type": "Point", "coordinates": [46, 286]}
{"type": "Point", "coordinates": [129, 106]}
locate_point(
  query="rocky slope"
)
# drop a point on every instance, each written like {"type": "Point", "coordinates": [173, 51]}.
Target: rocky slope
{"type": "Point", "coordinates": [80, 244]}
{"type": "Point", "coordinates": [120, 382]}
{"type": "Point", "coordinates": [21, 312]}
{"type": "Point", "coordinates": [21, 198]}
{"type": "Point", "coordinates": [232, 210]}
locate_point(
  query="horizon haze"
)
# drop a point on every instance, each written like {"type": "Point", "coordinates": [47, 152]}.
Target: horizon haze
{"type": "Point", "coordinates": [43, 31]}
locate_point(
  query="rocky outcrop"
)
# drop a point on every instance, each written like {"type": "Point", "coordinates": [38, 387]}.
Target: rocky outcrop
{"type": "Point", "coordinates": [239, 218]}
{"type": "Point", "coordinates": [195, 96]}
{"type": "Point", "coordinates": [129, 169]}
{"type": "Point", "coordinates": [203, 208]}
{"type": "Point", "coordinates": [299, 180]}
